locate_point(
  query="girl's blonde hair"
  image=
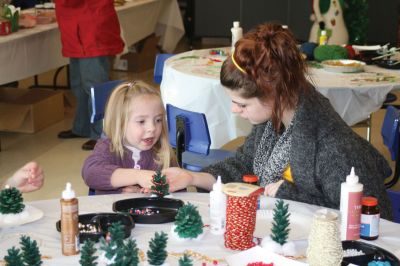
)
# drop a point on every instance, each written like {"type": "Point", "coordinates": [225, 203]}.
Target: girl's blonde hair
{"type": "Point", "coordinates": [116, 118]}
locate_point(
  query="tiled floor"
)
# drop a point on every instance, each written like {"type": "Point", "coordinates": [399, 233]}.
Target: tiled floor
{"type": "Point", "coordinates": [62, 159]}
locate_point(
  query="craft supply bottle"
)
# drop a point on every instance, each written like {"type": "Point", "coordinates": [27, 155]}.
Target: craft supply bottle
{"type": "Point", "coordinates": [69, 222]}
{"type": "Point", "coordinates": [350, 207]}
{"type": "Point", "coordinates": [217, 208]}
{"type": "Point", "coordinates": [323, 38]}
{"type": "Point", "coordinates": [237, 33]}
{"type": "Point", "coordinates": [370, 217]}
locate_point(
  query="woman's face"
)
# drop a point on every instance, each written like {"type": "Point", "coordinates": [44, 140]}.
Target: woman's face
{"type": "Point", "coordinates": [145, 122]}
{"type": "Point", "coordinates": [252, 109]}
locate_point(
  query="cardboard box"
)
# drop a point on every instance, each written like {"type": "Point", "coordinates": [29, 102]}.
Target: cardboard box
{"type": "Point", "coordinates": [29, 110]}
{"type": "Point", "coordinates": [141, 56]}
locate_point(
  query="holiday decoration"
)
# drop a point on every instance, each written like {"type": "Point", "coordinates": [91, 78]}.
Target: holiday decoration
{"type": "Point", "coordinates": [160, 186]}
{"type": "Point", "coordinates": [87, 254]}
{"type": "Point", "coordinates": [157, 253]}
{"type": "Point", "coordinates": [115, 250]}
{"type": "Point", "coordinates": [11, 201]}
{"type": "Point", "coordinates": [14, 258]}
{"type": "Point", "coordinates": [259, 264]}
{"type": "Point", "coordinates": [188, 223]}
{"type": "Point", "coordinates": [324, 244]}
{"type": "Point", "coordinates": [30, 251]}
{"type": "Point", "coordinates": [280, 225]}
{"type": "Point", "coordinates": [30, 255]}
{"type": "Point", "coordinates": [357, 20]}
{"type": "Point", "coordinates": [185, 260]}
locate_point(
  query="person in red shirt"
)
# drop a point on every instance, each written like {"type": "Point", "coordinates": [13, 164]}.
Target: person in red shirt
{"type": "Point", "coordinates": [90, 35]}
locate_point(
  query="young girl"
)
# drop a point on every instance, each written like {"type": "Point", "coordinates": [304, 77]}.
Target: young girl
{"type": "Point", "coordinates": [136, 143]}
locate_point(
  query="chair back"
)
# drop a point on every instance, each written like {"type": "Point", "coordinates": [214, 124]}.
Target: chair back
{"type": "Point", "coordinates": [394, 197]}
{"type": "Point", "coordinates": [159, 66]}
{"type": "Point", "coordinates": [99, 94]}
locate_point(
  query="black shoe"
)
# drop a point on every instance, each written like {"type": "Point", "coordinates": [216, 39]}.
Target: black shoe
{"type": "Point", "coordinates": [89, 145]}
{"type": "Point", "coordinates": [68, 134]}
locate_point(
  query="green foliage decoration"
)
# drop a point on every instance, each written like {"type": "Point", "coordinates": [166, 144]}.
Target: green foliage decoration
{"type": "Point", "coordinates": [160, 186]}
{"type": "Point", "coordinates": [188, 222]}
{"type": "Point", "coordinates": [30, 251]}
{"type": "Point", "coordinates": [88, 252]}
{"type": "Point", "coordinates": [131, 254]}
{"type": "Point", "coordinates": [357, 20]}
{"type": "Point", "coordinates": [329, 52]}
{"type": "Point", "coordinates": [280, 225]}
{"type": "Point", "coordinates": [185, 260]}
{"type": "Point", "coordinates": [11, 201]}
{"type": "Point", "coordinates": [157, 253]}
{"type": "Point", "coordinates": [13, 257]}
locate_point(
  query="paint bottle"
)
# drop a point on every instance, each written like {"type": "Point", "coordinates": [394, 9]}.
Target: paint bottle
{"type": "Point", "coordinates": [323, 38]}
{"type": "Point", "coordinates": [350, 207]}
{"type": "Point", "coordinates": [217, 208]}
{"type": "Point", "coordinates": [237, 33]}
{"type": "Point", "coordinates": [69, 222]}
{"type": "Point", "coordinates": [370, 217]}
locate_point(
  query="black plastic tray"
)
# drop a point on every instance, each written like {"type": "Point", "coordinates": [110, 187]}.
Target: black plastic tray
{"type": "Point", "coordinates": [388, 63]}
{"type": "Point", "coordinates": [370, 251]}
{"type": "Point", "coordinates": [102, 221]}
{"type": "Point", "coordinates": [163, 210]}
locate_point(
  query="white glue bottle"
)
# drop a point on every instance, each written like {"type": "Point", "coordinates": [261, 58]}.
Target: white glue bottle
{"type": "Point", "coordinates": [237, 33]}
{"type": "Point", "coordinates": [69, 222]}
{"type": "Point", "coordinates": [350, 207]}
{"type": "Point", "coordinates": [217, 208]}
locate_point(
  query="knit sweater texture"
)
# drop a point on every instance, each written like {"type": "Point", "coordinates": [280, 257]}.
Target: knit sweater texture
{"type": "Point", "coordinates": [322, 153]}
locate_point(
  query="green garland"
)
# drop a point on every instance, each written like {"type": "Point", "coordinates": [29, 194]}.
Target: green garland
{"type": "Point", "coordinates": [356, 18]}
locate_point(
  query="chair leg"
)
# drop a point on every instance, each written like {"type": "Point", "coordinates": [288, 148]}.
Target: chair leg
{"type": "Point", "coordinates": [369, 127]}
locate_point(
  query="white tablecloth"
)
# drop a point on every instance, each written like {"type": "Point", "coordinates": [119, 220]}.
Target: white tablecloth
{"type": "Point", "coordinates": [191, 81]}
{"type": "Point", "coordinates": [29, 52]}
{"type": "Point", "coordinates": [45, 233]}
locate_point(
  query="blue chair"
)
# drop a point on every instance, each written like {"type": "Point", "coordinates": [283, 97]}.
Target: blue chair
{"type": "Point", "coordinates": [390, 134]}
{"type": "Point", "coordinates": [188, 133]}
{"type": "Point", "coordinates": [394, 197]}
{"type": "Point", "coordinates": [159, 66]}
{"type": "Point", "coordinates": [99, 94]}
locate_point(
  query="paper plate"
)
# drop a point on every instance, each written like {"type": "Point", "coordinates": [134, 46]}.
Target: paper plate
{"type": "Point", "coordinates": [30, 215]}
{"type": "Point", "coordinates": [343, 66]}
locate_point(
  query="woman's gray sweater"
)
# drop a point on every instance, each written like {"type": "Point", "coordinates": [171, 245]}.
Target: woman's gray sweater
{"type": "Point", "coordinates": [323, 151]}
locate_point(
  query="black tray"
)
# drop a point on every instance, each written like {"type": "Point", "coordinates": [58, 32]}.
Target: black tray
{"type": "Point", "coordinates": [102, 221]}
{"type": "Point", "coordinates": [163, 210]}
{"type": "Point", "coordinates": [388, 63]}
{"type": "Point", "coordinates": [370, 251]}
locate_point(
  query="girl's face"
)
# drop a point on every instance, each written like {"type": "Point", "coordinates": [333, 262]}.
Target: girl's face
{"type": "Point", "coordinates": [145, 122]}
{"type": "Point", "coordinates": [252, 109]}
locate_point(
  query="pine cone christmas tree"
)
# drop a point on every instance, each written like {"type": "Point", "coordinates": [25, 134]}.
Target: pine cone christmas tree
{"type": "Point", "coordinates": [280, 225]}
{"type": "Point", "coordinates": [157, 253]}
{"type": "Point", "coordinates": [160, 186]}
{"type": "Point", "coordinates": [30, 252]}
{"type": "Point", "coordinates": [185, 260]}
{"type": "Point", "coordinates": [188, 222]}
{"type": "Point", "coordinates": [131, 253]}
{"type": "Point", "coordinates": [87, 254]}
{"type": "Point", "coordinates": [114, 249]}
{"type": "Point", "coordinates": [11, 201]}
{"type": "Point", "coordinates": [14, 258]}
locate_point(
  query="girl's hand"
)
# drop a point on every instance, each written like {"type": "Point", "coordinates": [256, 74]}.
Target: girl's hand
{"type": "Point", "coordinates": [271, 189]}
{"type": "Point", "coordinates": [177, 178]}
{"type": "Point", "coordinates": [131, 189]}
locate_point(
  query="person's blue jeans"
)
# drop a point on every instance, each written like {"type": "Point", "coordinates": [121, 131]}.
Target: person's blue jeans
{"type": "Point", "coordinates": [85, 72]}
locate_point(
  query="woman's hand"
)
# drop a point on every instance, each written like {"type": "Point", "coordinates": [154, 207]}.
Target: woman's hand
{"type": "Point", "coordinates": [29, 177]}
{"type": "Point", "coordinates": [271, 189]}
{"type": "Point", "coordinates": [177, 178]}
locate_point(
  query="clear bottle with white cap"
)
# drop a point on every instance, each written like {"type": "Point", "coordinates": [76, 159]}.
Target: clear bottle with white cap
{"type": "Point", "coordinates": [217, 208]}
{"type": "Point", "coordinates": [350, 207]}
{"type": "Point", "coordinates": [237, 33]}
{"type": "Point", "coordinates": [69, 222]}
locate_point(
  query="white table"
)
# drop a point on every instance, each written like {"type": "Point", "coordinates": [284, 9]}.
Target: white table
{"type": "Point", "coordinates": [29, 52]}
{"type": "Point", "coordinates": [191, 81]}
{"type": "Point", "coordinates": [44, 230]}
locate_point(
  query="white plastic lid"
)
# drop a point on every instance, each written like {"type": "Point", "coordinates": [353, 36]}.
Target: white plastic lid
{"type": "Point", "coordinates": [236, 24]}
{"type": "Point", "coordinates": [217, 186]}
{"type": "Point", "coordinates": [323, 32]}
{"type": "Point", "coordinates": [68, 193]}
{"type": "Point", "coordinates": [352, 179]}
